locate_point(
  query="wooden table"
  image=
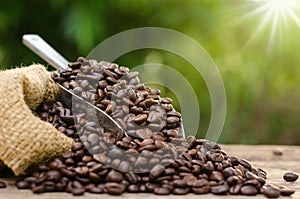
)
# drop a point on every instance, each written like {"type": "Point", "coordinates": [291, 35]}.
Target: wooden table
{"type": "Point", "coordinates": [259, 156]}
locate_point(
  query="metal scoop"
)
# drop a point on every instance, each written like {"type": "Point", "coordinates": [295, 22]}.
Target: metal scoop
{"type": "Point", "coordinates": [45, 51]}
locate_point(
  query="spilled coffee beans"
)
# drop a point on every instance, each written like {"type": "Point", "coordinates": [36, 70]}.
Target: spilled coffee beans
{"type": "Point", "coordinates": [152, 155]}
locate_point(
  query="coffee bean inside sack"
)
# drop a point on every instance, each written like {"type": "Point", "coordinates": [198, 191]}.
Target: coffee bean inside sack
{"type": "Point", "coordinates": [151, 156]}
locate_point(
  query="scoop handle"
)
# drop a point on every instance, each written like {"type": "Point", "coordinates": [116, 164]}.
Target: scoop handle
{"type": "Point", "coordinates": [44, 50]}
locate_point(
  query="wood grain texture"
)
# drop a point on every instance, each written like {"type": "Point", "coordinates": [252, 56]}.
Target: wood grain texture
{"type": "Point", "coordinates": [259, 156]}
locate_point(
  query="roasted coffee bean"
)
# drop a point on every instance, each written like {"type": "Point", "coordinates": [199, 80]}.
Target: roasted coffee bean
{"type": "Point", "coordinates": [96, 190]}
{"type": "Point", "coordinates": [216, 157]}
{"type": "Point", "coordinates": [69, 162]}
{"type": "Point", "coordinates": [132, 178]}
{"type": "Point", "coordinates": [114, 176]}
{"type": "Point", "coordinates": [216, 176]}
{"type": "Point", "coordinates": [286, 191]}
{"type": "Point", "coordinates": [41, 178]}
{"type": "Point", "coordinates": [93, 139]}
{"type": "Point", "coordinates": [147, 142]}
{"type": "Point", "coordinates": [82, 171]}
{"type": "Point", "coordinates": [124, 166]}
{"type": "Point", "coordinates": [133, 188]}
{"type": "Point", "coordinates": [156, 171]}
{"type": "Point", "coordinates": [248, 190]}
{"type": "Point", "coordinates": [245, 164]}
{"type": "Point", "coordinates": [161, 191]}
{"type": "Point", "coordinates": [271, 192]}
{"type": "Point", "coordinates": [115, 153]}
{"type": "Point", "coordinates": [201, 190]}
{"type": "Point", "coordinates": [190, 179]}
{"type": "Point", "coordinates": [96, 168]}
{"type": "Point", "coordinates": [196, 169]}
{"type": "Point", "coordinates": [22, 184]}
{"type": "Point", "coordinates": [201, 186]}
{"type": "Point", "coordinates": [86, 159]}
{"type": "Point", "coordinates": [208, 167]}
{"type": "Point", "coordinates": [38, 189]}
{"type": "Point", "coordinates": [2, 184]}
{"type": "Point", "coordinates": [49, 186]}
{"type": "Point", "coordinates": [144, 133]}
{"type": "Point", "coordinates": [77, 191]}
{"type": "Point", "coordinates": [30, 179]}
{"type": "Point", "coordinates": [290, 177]}
{"type": "Point", "coordinates": [235, 189]}
{"type": "Point", "coordinates": [83, 180]}
{"type": "Point", "coordinates": [220, 189]}
{"type": "Point", "coordinates": [114, 188]}
{"type": "Point", "coordinates": [67, 154]}
{"type": "Point", "coordinates": [232, 180]}
{"type": "Point", "coordinates": [172, 120]}
{"type": "Point", "coordinates": [227, 172]}
{"type": "Point", "coordinates": [179, 183]}
{"type": "Point", "coordinates": [277, 152]}
{"type": "Point", "coordinates": [94, 177]}
{"type": "Point", "coordinates": [140, 118]}
{"type": "Point", "coordinates": [53, 175]}
{"type": "Point", "coordinates": [100, 157]}
{"type": "Point", "coordinates": [234, 160]}
{"type": "Point", "coordinates": [168, 185]}
{"type": "Point", "coordinates": [172, 132]}
{"type": "Point", "coordinates": [180, 191]}
{"type": "Point", "coordinates": [253, 182]}
{"type": "Point", "coordinates": [151, 186]}
{"type": "Point", "coordinates": [43, 167]}
{"type": "Point", "coordinates": [250, 176]}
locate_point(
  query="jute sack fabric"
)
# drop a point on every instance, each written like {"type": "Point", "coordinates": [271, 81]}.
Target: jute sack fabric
{"type": "Point", "coordinates": [24, 138]}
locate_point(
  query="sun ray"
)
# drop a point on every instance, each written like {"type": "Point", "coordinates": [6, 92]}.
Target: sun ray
{"type": "Point", "coordinates": [272, 33]}
{"type": "Point", "coordinates": [295, 17]}
{"type": "Point", "coordinates": [274, 16]}
{"type": "Point", "coordinates": [259, 29]}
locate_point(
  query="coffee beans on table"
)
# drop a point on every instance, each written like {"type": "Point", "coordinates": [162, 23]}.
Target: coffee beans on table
{"type": "Point", "coordinates": [152, 155]}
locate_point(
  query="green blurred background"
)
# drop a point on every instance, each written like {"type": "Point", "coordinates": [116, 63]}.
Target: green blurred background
{"type": "Point", "coordinates": [259, 66]}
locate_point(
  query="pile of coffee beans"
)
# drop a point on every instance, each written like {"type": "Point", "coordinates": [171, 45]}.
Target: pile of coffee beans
{"type": "Point", "coordinates": [152, 155]}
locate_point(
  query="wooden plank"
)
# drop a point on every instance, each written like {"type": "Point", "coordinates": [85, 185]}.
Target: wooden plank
{"type": "Point", "coordinates": [260, 156]}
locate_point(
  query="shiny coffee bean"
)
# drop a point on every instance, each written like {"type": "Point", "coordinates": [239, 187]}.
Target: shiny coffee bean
{"type": "Point", "coordinates": [114, 176]}
{"type": "Point", "coordinates": [114, 188]}
{"type": "Point", "coordinates": [245, 163]}
{"type": "Point", "coordinates": [2, 184]}
{"type": "Point", "coordinates": [286, 192]}
{"type": "Point", "coordinates": [248, 190]}
{"type": "Point", "coordinates": [133, 188]}
{"type": "Point", "coordinates": [53, 175]}
{"type": "Point", "coordinates": [161, 191]}
{"type": "Point", "coordinates": [290, 177]}
{"type": "Point", "coordinates": [22, 184]}
{"type": "Point", "coordinates": [271, 192]}
{"type": "Point", "coordinates": [180, 191]}
{"type": "Point", "coordinates": [77, 191]}
{"type": "Point", "coordinates": [220, 189]}
{"type": "Point", "coordinates": [235, 189]}
{"type": "Point", "coordinates": [38, 189]}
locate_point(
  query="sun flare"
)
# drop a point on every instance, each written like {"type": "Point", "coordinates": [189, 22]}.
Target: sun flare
{"type": "Point", "coordinates": [274, 16]}
{"type": "Point", "coordinates": [278, 5]}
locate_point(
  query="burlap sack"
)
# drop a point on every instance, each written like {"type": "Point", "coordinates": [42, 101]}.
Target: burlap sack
{"type": "Point", "coordinates": [24, 138]}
